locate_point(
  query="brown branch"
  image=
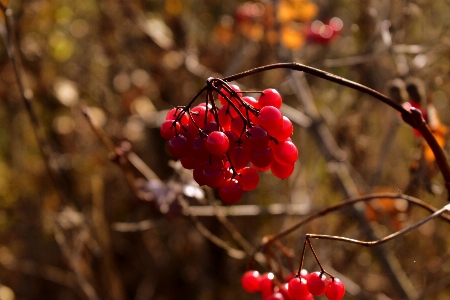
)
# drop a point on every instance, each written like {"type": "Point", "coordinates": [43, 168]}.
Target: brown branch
{"type": "Point", "coordinates": [386, 238]}
{"type": "Point", "coordinates": [351, 202]}
{"type": "Point", "coordinates": [412, 117]}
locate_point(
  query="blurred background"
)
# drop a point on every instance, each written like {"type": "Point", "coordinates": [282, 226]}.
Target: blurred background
{"type": "Point", "coordinates": [121, 220]}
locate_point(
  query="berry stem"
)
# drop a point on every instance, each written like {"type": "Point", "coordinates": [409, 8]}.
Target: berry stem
{"type": "Point", "coordinates": [386, 238]}
{"type": "Point", "coordinates": [346, 203]}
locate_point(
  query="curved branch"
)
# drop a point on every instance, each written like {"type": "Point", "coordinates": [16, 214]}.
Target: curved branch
{"type": "Point", "coordinates": [412, 117]}
{"type": "Point", "coordinates": [350, 202]}
{"type": "Point", "coordinates": [386, 238]}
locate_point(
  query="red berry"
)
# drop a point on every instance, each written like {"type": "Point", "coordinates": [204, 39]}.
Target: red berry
{"type": "Point", "coordinates": [298, 288]}
{"type": "Point", "coordinates": [256, 138]}
{"type": "Point", "coordinates": [266, 284]}
{"type": "Point", "coordinates": [252, 101]}
{"type": "Point", "coordinates": [239, 156]}
{"type": "Point", "coordinates": [260, 169]}
{"type": "Point", "coordinates": [210, 127]}
{"type": "Point", "coordinates": [168, 129]}
{"type": "Point", "coordinates": [285, 153]}
{"type": "Point", "coordinates": [178, 146]}
{"type": "Point", "coordinates": [280, 170]}
{"type": "Point", "coordinates": [217, 143]}
{"type": "Point", "coordinates": [262, 158]}
{"type": "Point", "coordinates": [284, 290]}
{"type": "Point", "coordinates": [336, 290]}
{"type": "Point", "coordinates": [250, 281]}
{"type": "Point", "coordinates": [224, 117]}
{"type": "Point", "coordinates": [214, 176]}
{"type": "Point", "coordinates": [198, 115]}
{"type": "Point", "coordinates": [237, 125]}
{"type": "Point", "coordinates": [270, 97]}
{"type": "Point", "coordinates": [248, 178]}
{"type": "Point", "coordinates": [175, 113]}
{"type": "Point", "coordinates": [270, 118]}
{"type": "Point", "coordinates": [198, 148]}
{"type": "Point", "coordinates": [188, 162]}
{"type": "Point", "coordinates": [199, 177]}
{"type": "Point", "coordinates": [285, 131]}
{"type": "Point", "coordinates": [230, 191]}
{"type": "Point", "coordinates": [317, 284]}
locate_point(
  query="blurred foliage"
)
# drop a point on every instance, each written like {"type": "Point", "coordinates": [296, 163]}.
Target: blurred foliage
{"type": "Point", "coordinates": [128, 60]}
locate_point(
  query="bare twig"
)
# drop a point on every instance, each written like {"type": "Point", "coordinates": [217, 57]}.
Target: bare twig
{"type": "Point", "coordinates": [413, 117]}
{"type": "Point", "coordinates": [386, 238]}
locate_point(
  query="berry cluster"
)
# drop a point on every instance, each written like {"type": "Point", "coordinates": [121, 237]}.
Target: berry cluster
{"type": "Point", "coordinates": [304, 286]}
{"type": "Point", "coordinates": [324, 33]}
{"type": "Point", "coordinates": [226, 141]}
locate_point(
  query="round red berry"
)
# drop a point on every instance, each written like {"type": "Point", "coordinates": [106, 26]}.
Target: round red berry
{"type": "Point", "coordinates": [217, 143]}
{"type": "Point", "coordinates": [280, 170]}
{"type": "Point", "coordinates": [250, 281]}
{"type": "Point", "coordinates": [335, 290]}
{"type": "Point", "coordinates": [270, 118]}
{"type": "Point", "coordinates": [270, 97]}
{"type": "Point", "coordinates": [317, 284]}
{"type": "Point", "coordinates": [230, 191]}
{"type": "Point", "coordinates": [285, 153]}
{"type": "Point", "coordinates": [298, 288]}
{"type": "Point", "coordinates": [178, 146]}
{"type": "Point", "coordinates": [248, 178]}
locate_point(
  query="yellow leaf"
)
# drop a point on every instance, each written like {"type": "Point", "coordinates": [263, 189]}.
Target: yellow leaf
{"type": "Point", "coordinates": [296, 10]}
{"type": "Point", "coordinates": [292, 36]}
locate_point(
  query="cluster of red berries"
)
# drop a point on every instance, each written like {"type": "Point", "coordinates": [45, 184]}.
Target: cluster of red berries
{"type": "Point", "coordinates": [323, 33]}
{"type": "Point", "coordinates": [226, 142]}
{"type": "Point", "coordinates": [304, 286]}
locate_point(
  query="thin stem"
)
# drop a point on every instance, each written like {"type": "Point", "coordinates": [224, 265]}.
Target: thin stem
{"type": "Point", "coordinates": [386, 238]}
{"type": "Point", "coordinates": [322, 270]}
{"type": "Point", "coordinates": [349, 202]}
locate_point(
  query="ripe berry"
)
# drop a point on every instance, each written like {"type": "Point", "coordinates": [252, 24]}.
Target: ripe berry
{"type": "Point", "coordinates": [248, 178]}
{"type": "Point", "coordinates": [256, 138]}
{"type": "Point", "coordinates": [266, 284]}
{"type": "Point", "coordinates": [250, 100]}
{"type": "Point", "coordinates": [285, 131]}
{"type": "Point", "coordinates": [237, 125]}
{"type": "Point", "coordinates": [284, 290]}
{"type": "Point", "coordinates": [281, 171]}
{"type": "Point", "coordinates": [217, 143]}
{"type": "Point", "coordinates": [175, 113]}
{"type": "Point", "coordinates": [168, 129]}
{"type": "Point", "coordinates": [285, 153]}
{"type": "Point", "coordinates": [336, 290]}
{"type": "Point", "coordinates": [188, 162]}
{"type": "Point", "coordinates": [230, 191]}
{"type": "Point", "coordinates": [178, 146]}
{"type": "Point", "coordinates": [239, 156]}
{"type": "Point", "coordinates": [214, 176]}
{"type": "Point", "coordinates": [317, 284]}
{"type": "Point", "coordinates": [250, 281]}
{"type": "Point", "coordinates": [199, 177]}
{"type": "Point", "coordinates": [270, 97]}
{"type": "Point", "coordinates": [298, 288]}
{"type": "Point", "coordinates": [262, 158]}
{"type": "Point", "coordinates": [270, 118]}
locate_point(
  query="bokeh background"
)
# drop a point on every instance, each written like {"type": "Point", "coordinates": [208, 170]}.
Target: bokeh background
{"type": "Point", "coordinates": [110, 228]}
